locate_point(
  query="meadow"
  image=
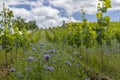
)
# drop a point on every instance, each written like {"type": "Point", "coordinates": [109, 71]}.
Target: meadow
{"type": "Point", "coordinates": [74, 51]}
{"type": "Point", "coordinates": [48, 60]}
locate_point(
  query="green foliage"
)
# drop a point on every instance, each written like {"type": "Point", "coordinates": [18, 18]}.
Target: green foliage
{"type": "Point", "coordinates": [74, 68]}
{"type": "Point", "coordinates": [32, 25]}
{"type": "Point", "coordinates": [118, 35]}
{"type": "Point", "coordinates": [21, 24]}
{"type": "Point", "coordinates": [84, 37]}
{"type": "Point", "coordinates": [14, 32]}
{"type": "Point", "coordinates": [5, 22]}
{"type": "Point", "coordinates": [103, 22]}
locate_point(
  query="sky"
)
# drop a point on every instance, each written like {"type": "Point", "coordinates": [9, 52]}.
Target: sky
{"type": "Point", "coordinates": [51, 13]}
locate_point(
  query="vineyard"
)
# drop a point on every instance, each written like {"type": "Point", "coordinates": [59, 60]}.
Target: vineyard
{"type": "Point", "coordinates": [74, 51]}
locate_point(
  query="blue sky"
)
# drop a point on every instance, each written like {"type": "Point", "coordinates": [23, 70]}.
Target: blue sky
{"type": "Point", "coordinates": [52, 12]}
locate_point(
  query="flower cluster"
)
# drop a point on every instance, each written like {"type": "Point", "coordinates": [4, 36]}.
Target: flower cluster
{"type": "Point", "coordinates": [41, 45]}
{"type": "Point", "coordinates": [68, 63]}
{"type": "Point", "coordinates": [30, 58]}
{"type": "Point", "coordinates": [50, 68]}
{"type": "Point", "coordinates": [46, 57]}
{"type": "Point", "coordinates": [52, 51]}
{"type": "Point", "coordinates": [12, 70]}
{"type": "Point", "coordinates": [34, 49]}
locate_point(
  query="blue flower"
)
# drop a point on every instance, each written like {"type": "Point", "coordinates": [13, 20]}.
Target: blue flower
{"type": "Point", "coordinates": [50, 68]}
{"type": "Point", "coordinates": [76, 53]}
{"type": "Point", "coordinates": [30, 58]}
{"type": "Point", "coordinates": [52, 51]}
{"type": "Point", "coordinates": [68, 63]}
{"type": "Point", "coordinates": [41, 44]}
{"type": "Point", "coordinates": [77, 65]}
{"type": "Point", "coordinates": [46, 57]}
{"type": "Point", "coordinates": [34, 49]}
{"type": "Point", "coordinates": [31, 44]}
{"type": "Point", "coordinates": [12, 70]}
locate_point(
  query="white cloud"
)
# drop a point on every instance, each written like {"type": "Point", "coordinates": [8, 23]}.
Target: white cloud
{"type": "Point", "coordinates": [49, 16]}
{"type": "Point", "coordinates": [72, 5]}
{"type": "Point", "coordinates": [115, 4]}
{"type": "Point", "coordinates": [23, 13]}
{"type": "Point", "coordinates": [46, 11]}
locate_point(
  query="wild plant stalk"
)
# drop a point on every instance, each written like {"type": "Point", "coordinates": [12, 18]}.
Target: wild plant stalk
{"type": "Point", "coordinates": [103, 22]}
{"type": "Point", "coordinates": [11, 55]}
{"type": "Point", "coordinates": [6, 16]}
{"type": "Point", "coordinates": [16, 50]}
{"type": "Point", "coordinates": [4, 38]}
{"type": "Point", "coordinates": [86, 61]}
{"type": "Point", "coordinates": [6, 56]}
{"type": "Point", "coordinates": [28, 75]}
{"type": "Point", "coordinates": [102, 60]}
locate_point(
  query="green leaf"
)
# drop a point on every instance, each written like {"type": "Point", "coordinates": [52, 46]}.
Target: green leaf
{"type": "Point", "coordinates": [107, 3]}
{"type": "Point", "coordinates": [99, 15]}
{"type": "Point", "coordinates": [106, 20]}
{"type": "Point", "coordinates": [104, 9]}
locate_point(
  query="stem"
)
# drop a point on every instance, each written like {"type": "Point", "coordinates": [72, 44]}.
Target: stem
{"type": "Point", "coordinates": [86, 63]}
{"type": "Point", "coordinates": [16, 49]}
{"type": "Point", "coordinates": [102, 61]}
{"type": "Point", "coordinates": [6, 56]}
{"type": "Point", "coordinates": [11, 56]}
{"type": "Point", "coordinates": [119, 48]}
{"type": "Point", "coordinates": [4, 20]}
{"type": "Point", "coordinates": [28, 71]}
{"type": "Point", "coordinates": [6, 60]}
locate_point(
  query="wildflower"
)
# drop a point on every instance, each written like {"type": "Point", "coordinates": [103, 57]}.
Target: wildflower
{"type": "Point", "coordinates": [76, 53]}
{"type": "Point", "coordinates": [41, 44]}
{"type": "Point", "coordinates": [77, 65]}
{"type": "Point", "coordinates": [50, 68]}
{"type": "Point", "coordinates": [12, 70]}
{"type": "Point", "coordinates": [30, 59]}
{"type": "Point", "coordinates": [68, 63]}
{"type": "Point", "coordinates": [31, 44]}
{"type": "Point", "coordinates": [52, 51]}
{"type": "Point", "coordinates": [46, 57]}
{"type": "Point", "coordinates": [34, 49]}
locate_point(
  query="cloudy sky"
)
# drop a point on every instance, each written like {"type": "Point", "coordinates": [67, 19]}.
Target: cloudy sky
{"type": "Point", "coordinates": [53, 12]}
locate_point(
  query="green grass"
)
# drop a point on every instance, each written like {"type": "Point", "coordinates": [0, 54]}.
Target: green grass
{"type": "Point", "coordinates": [69, 64]}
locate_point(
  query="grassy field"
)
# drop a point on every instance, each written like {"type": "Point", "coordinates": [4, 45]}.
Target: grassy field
{"type": "Point", "coordinates": [80, 50]}
{"type": "Point", "coordinates": [57, 61]}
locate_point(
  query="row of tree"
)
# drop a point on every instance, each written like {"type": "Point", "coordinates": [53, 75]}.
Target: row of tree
{"type": "Point", "coordinates": [14, 31]}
